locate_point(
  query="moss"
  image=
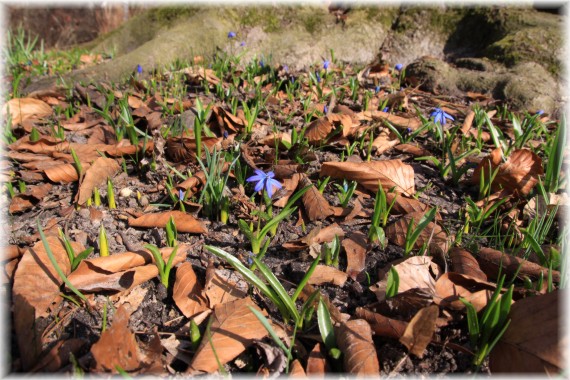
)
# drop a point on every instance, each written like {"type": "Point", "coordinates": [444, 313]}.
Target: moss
{"type": "Point", "coordinates": [168, 14]}
{"type": "Point", "coordinates": [270, 19]}
{"type": "Point", "coordinates": [313, 22]}
{"type": "Point", "coordinates": [382, 15]}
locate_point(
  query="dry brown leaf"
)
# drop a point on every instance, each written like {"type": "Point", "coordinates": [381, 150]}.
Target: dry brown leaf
{"type": "Point", "coordinates": [187, 291]}
{"type": "Point", "coordinates": [384, 141]}
{"type": "Point", "coordinates": [97, 175]}
{"type": "Point", "coordinates": [297, 369]}
{"type": "Point", "coordinates": [391, 173]}
{"type": "Point", "coordinates": [184, 222]}
{"type": "Point", "coordinates": [317, 365]}
{"type": "Point", "coordinates": [463, 262]}
{"type": "Point", "coordinates": [414, 272]}
{"type": "Point", "coordinates": [319, 130]}
{"type": "Point", "coordinates": [432, 233]}
{"type": "Point", "coordinates": [399, 122]}
{"type": "Point", "coordinates": [34, 194]}
{"type": "Point", "coordinates": [404, 205]}
{"type": "Point", "coordinates": [223, 286]}
{"type": "Point", "coordinates": [63, 172]}
{"type": "Point", "coordinates": [355, 246]}
{"type": "Point", "coordinates": [120, 271]}
{"type": "Point", "coordinates": [359, 353]}
{"type": "Point", "coordinates": [420, 330]}
{"type": "Point", "coordinates": [23, 108]}
{"type": "Point", "coordinates": [317, 235]}
{"type": "Point", "coordinates": [468, 122]}
{"type": "Point", "coordinates": [414, 150]}
{"type": "Point", "coordinates": [450, 286]}
{"type": "Point", "coordinates": [326, 274]}
{"type": "Point", "coordinates": [58, 355]}
{"type": "Point", "coordinates": [289, 187]}
{"type": "Point", "coordinates": [533, 342]}
{"type": "Point", "coordinates": [519, 174]}
{"type": "Point", "coordinates": [117, 345]}
{"type": "Point", "coordinates": [233, 329]}
{"type": "Point", "coordinates": [316, 206]}
{"type": "Point", "coordinates": [381, 325]}
{"type": "Point", "coordinates": [491, 261]}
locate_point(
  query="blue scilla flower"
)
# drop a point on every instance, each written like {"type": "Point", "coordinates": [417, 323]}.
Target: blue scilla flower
{"type": "Point", "coordinates": [539, 112]}
{"type": "Point", "coordinates": [386, 109]}
{"type": "Point", "coordinates": [180, 195]}
{"type": "Point", "coordinates": [139, 69]}
{"type": "Point", "coordinates": [399, 67]}
{"type": "Point", "coordinates": [377, 89]}
{"type": "Point", "coordinates": [231, 34]}
{"type": "Point", "coordinates": [326, 64]}
{"type": "Point", "coordinates": [242, 43]}
{"type": "Point", "coordinates": [265, 180]}
{"type": "Point", "coordinates": [440, 116]}
{"type": "Point", "coordinates": [261, 64]}
{"type": "Point", "coordinates": [325, 109]}
{"type": "Point", "coordinates": [318, 76]}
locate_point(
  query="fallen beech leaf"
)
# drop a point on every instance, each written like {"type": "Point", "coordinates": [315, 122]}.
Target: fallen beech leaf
{"type": "Point", "coordinates": [533, 342]}
{"type": "Point", "coordinates": [223, 286]}
{"type": "Point", "coordinates": [432, 233]}
{"type": "Point", "coordinates": [187, 291]}
{"type": "Point", "coordinates": [23, 108]}
{"type": "Point", "coordinates": [317, 365]}
{"type": "Point", "coordinates": [414, 272]}
{"type": "Point", "coordinates": [316, 206]}
{"type": "Point", "coordinates": [180, 349]}
{"type": "Point", "coordinates": [406, 304]}
{"type": "Point", "coordinates": [180, 149]}
{"type": "Point", "coordinates": [519, 174]}
{"type": "Point", "coordinates": [117, 345]}
{"type": "Point", "coordinates": [414, 150]}
{"type": "Point", "coordinates": [289, 187]}
{"type": "Point", "coordinates": [233, 329]}
{"type": "Point", "coordinates": [420, 330]}
{"type": "Point", "coordinates": [319, 130]}
{"type": "Point", "coordinates": [317, 235]}
{"type": "Point", "coordinates": [59, 355]}
{"type": "Point", "coordinates": [381, 325]}
{"type": "Point", "coordinates": [399, 122]}
{"type": "Point", "coordinates": [463, 262]}
{"type": "Point", "coordinates": [491, 260]}
{"type": "Point", "coordinates": [404, 205]}
{"type": "Point", "coordinates": [468, 122]}
{"type": "Point", "coordinates": [355, 246]}
{"type": "Point", "coordinates": [297, 369]}
{"type": "Point", "coordinates": [96, 176]}
{"type": "Point", "coordinates": [64, 173]}
{"type": "Point", "coordinates": [34, 194]}
{"type": "Point", "coordinates": [120, 271]}
{"type": "Point", "coordinates": [184, 222]}
{"type": "Point", "coordinates": [359, 353]}
{"type": "Point", "coordinates": [450, 286]}
{"type": "Point", "coordinates": [325, 274]}
{"type": "Point", "coordinates": [391, 173]}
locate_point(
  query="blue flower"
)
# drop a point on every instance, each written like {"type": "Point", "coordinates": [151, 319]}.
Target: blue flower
{"type": "Point", "coordinates": [377, 89]}
{"type": "Point", "coordinates": [226, 134]}
{"type": "Point", "coordinates": [440, 116]}
{"type": "Point", "coordinates": [261, 63]}
{"type": "Point", "coordinates": [399, 67]}
{"type": "Point", "coordinates": [265, 180]}
{"type": "Point", "coordinates": [318, 76]}
{"type": "Point", "coordinates": [325, 109]}
{"type": "Point", "coordinates": [231, 34]}
{"type": "Point", "coordinates": [386, 109]}
{"type": "Point", "coordinates": [326, 64]}
{"type": "Point", "coordinates": [180, 195]}
{"type": "Point", "coordinates": [286, 68]}
{"type": "Point", "coordinates": [539, 112]}
{"type": "Point", "coordinates": [139, 69]}
{"type": "Point", "coordinates": [242, 43]}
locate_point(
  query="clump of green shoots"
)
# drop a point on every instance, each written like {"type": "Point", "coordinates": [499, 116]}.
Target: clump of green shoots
{"type": "Point", "coordinates": [414, 232]}
{"type": "Point", "coordinates": [74, 259]}
{"type": "Point", "coordinates": [486, 330]}
{"type": "Point", "coordinates": [380, 216]}
{"type": "Point", "coordinates": [163, 268]}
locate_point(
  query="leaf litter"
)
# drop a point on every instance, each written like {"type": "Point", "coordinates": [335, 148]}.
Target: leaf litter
{"type": "Point", "coordinates": [142, 140]}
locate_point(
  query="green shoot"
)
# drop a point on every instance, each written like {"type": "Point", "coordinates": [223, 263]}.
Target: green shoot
{"type": "Point", "coordinates": [103, 242]}
{"type": "Point", "coordinates": [171, 233]}
{"type": "Point", "coordinates": [392, 283]}
{"type": "Point", "coordinates": [412, 234]}
{"type": "Point", "coordinates": [163, 268]}
{"type": "Point", "coordinates": [111, 195]}
{"type": "Point", "coordinates": [74, 259]}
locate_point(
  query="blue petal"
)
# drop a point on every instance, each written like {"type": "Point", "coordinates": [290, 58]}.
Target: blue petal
{"type": "Point", "coordinates": [270, 174]}
{"type": "Point", "coordinates": [271, 185]}
{"type": "Point", "coordinates": [254, 178]}
{"type": "Point", "coordinates": [259, 186]}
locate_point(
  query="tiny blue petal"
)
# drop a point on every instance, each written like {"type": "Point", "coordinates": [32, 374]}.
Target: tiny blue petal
{"type": "Point", "coordinates": [231, 34]}
{"type": "Point", "coordinates": [318, 77]}
{"type": "Point", "coordinates": [261, 63]}
{"type": "Point", "coordinates": [286, 68]}
{"type": "Point", "coordinates": [242, 43]}
{"type": "Point", "coordinates": [325, 109]}
{"type": "Point", "coordinates": [399, 67]}
{"type": "Point", "coordinates": [386, 109]}
{"type": "Point", "coordinates": [539, 112]}
{"type": "Point", "coordinates": [139, 69]}
{"type": "Point", "coordinates": [326, 64]}
{"type": "Point", "coordinates": [377, 89]}
{"type": "Point", "coordinates": [440, 116]}
{"type": "Point", "coordinates": [180, 195]}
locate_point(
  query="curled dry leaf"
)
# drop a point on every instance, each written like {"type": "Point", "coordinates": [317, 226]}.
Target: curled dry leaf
{"type": "Point", "coordinates": [34, 194]}
{"type": "Point", "coordinates": [391, 173]}
{"type": "Point", "coordinates": [64, 173]}
{"type": "Point", "coordinates": [117, 345]}
{"type": "Point", "coordinates": [533, 342]}
{"type": "Point", "coordinates": [399, 122]}
{"type": "Point", "coordinates": [519, 174]}
{"type": "Point", "coordinates": [355, 246]}
{"type": "Point", "coordinates": [407, 303]}
{"type": "Point", "coordinates": [318, 130]}
{"type": "Point", "coordinates": [96, 176]}
{"type": "Point", "coordinates": [317, 235]}
{"type": "Point", "coordinates": [414, 150]}
{"type": "Point", "coordinates": [384, 141]}
{"type": "Point", "coordinates": [359, 354]}
{"type": "Point", "coordinates": [463, 262]}
{"type": "Point", "coordinates": [324, 274]}
{"type": "Point", "coordinates": [419, 331]}
{"type": "Point", "coordinates": [381, 325]}
{"type": "Point", "coordinates": [297, 369]}
{"type": "Point", "coordinates": [450, 286]}
{"type": "Point", "coordinates": [187, 291]}
{"type": "Point", "coordinates": [414, 272]}
{"type": "Point", "coordinates": [23, 108]}
{"type": "Point", "coordinates": [316, 206]}
{"type": "Point", "coordinates": [432, 233]}
{"type": "Point", "coordinates": [233, 329]}
{"type": "Point", "coordinates": [405, 205]}
{"type": "Point", "coordinates": [184, 222]}
{"type": "Point", "coordinates": [223, 286]}
{"type": "Point", "coordinates": [289, 186]}
{"type": "Point", "coordinates": [492, 260]}
{"type": "Point", "coordinates": [317, 365]}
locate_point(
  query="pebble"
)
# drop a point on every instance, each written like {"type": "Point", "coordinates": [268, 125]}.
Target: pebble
{"type": "Point", "coordinates": [125, 192]}
{"type": "Point", "coordinates": [144, 201]}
